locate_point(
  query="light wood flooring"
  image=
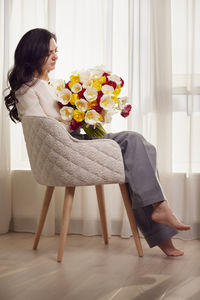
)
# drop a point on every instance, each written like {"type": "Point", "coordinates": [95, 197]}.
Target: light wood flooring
{"type": "Point", "coordinates": [92, 271]}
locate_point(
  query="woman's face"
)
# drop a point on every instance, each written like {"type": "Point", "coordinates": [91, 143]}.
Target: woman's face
{"type": "Point", "coordinates": [51, 59]}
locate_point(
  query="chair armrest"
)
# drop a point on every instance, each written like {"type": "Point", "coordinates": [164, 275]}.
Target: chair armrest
{"type": "Point", "coordinates": [57, 158]}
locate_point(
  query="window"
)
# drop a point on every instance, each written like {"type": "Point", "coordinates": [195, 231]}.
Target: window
{"type": "Point", "coordinates": [186, 85]}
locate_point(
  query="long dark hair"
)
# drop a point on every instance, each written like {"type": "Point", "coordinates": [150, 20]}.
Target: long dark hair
{"type": "Point", "coordinates": [30, 55]}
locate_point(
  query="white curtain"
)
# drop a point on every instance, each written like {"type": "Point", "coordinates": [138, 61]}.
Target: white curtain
{"type": "Point", "coordinates": [5, 190]}
{"type": "Point", "coordinates": [139, 40]}
{"type": "Point", "coordinates": [150, 80]}
{"type": "Point", "coordinates": [85, 38]}
{"type": "Point", "coordinates": [186, 112]}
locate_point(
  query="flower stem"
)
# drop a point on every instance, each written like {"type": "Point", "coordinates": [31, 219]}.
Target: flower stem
{"type": "Point", "coordinates": [92, 132]}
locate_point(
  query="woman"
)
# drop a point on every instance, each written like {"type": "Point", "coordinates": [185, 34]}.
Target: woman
{"type": "Point", "coordinates": [31, 94]}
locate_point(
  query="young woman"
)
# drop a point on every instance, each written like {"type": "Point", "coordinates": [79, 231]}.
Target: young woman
{"type": "Point", "coordinates": [31, 94]}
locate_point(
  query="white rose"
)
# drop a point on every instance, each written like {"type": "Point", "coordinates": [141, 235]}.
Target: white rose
{"type": "Point", "coordinates": [115, 78]}
{"type": "Point", "coordinates": [81, 104]}
{"type": "Point", "coordinates": [84, 76]}
{"type": "Point", "coordinates": [76, 88]}
{"type": "Point", "coordinates": [107, 89]}
{"type": "Point", "coordinates": [101, 68]}
{"type": "Point", "coordinates": [66, 113]}
{"type": "Point", "coordinates": [92, 117]}
{"type": "Point", "coordinates": [96, 74]}
{"type": "Point", "coordinates": [64, 96]}
{"type": "Point", "coordinates": [108, 116]}
{"type": "Point", "coordinates": [58, 84]}
{"type": "Point", "coordinates": [87, 84]}
{"type": "Point", "coordinates": [122, 102]}
{"type": "Point", "coordinates": [107, 103]}
{"type": "Point", "coordinates": [90, 94]}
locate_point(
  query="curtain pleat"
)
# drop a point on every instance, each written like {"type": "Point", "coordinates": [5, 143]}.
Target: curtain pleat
{"type": "Point", "coordinates": [5, 178]}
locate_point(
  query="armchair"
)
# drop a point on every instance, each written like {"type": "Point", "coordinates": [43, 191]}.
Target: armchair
{"type": "Point", "coordinates": [58, 159]}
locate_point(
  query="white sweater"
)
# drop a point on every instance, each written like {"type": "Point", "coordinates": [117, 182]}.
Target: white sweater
{"type": "Point", "coordinates": [38, 100]}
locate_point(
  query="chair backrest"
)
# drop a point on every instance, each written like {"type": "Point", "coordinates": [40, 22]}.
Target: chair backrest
{"type": "Point", "coordinates": [58, 159]}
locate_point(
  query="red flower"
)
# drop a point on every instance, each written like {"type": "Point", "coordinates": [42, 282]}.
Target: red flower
{"type": "Point", "coordinates": [100, 94]}
{"type": "Point", "coordinates": [106, 74]}
{"type": "Point", "coordinates": [80, 94]}
{"type": "Point", "coordinates": [126, 111]}
{"type": "Point", "coordinates": [111, 83]}
{"type": "Point", "coordinates": [75, 125]}
{"type": "Point", "coordinates": [60, 104]}
{"type": "Point", "coordinates": [97, 108]}
{"type": "Point", "coordinates": [67, 85]}
{"type": "Point", "coordinates": [122, 82]}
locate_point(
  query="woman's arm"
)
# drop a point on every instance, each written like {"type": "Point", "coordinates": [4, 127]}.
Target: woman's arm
{"type": "Point", "coordinates": [28, 103]}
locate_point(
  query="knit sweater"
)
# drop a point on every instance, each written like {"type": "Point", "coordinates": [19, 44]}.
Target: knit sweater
{"type": "Point", "coordinates": [38, 100]}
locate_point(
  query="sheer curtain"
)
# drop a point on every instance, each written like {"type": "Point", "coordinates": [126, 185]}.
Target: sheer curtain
{"type": "Point", "coordinates": [150, 79]}
{"type": "Point", "coordinates": [139, 40]}
{"type": "Point", "coordinates": [5, 191]}
{"type": "Point", "coordinates": [164, 82]}
{"type": "Point", "coordinates": [85, 39]}
{"type": "Point", "coordinates": [186, 111]}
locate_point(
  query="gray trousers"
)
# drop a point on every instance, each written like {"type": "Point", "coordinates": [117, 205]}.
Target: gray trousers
{"type": "Point", "coordinates": [142, 182]}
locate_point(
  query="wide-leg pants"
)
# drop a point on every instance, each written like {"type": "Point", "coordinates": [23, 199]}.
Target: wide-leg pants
{"type": "Point", "coordinates": [142, 182]}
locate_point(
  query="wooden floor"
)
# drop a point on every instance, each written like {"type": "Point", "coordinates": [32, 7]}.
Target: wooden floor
{"type": "Point", "coordinates": [92, 271]}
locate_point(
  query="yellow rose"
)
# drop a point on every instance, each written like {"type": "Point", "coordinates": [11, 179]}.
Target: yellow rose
{"type": "Point", "coordinates": [75, 78]}
{"type": "Point", "coordinates": [74, 98]}
{"type": "Point", "coordinates": [78, 115]}
{"type": "Point", "coordinates": [96, 84]}
{"type": "Point", "coordinates": [100, 117]}
{"type": "Point", "coordinates": [117, 90]}
{"type": "Point", "coordinates": [71, 84]}
{"type": "Point", "coordinates": [102, 79]}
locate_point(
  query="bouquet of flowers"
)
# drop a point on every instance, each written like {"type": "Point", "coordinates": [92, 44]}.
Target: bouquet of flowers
{"type": "Point", "coordinates": [89, 99]}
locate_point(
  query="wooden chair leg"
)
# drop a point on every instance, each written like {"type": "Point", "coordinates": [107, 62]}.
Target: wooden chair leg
{"type": "Point", "coordinates": [43, 214]}
{"type": "Point", "coordinates": [131, 218]}
{"type": "Point", "coordinates": [69, 196]}
{"type": "Point", "coordinates": [102, 211]}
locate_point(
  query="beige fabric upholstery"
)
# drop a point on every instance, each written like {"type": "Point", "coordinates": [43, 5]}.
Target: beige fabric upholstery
{"type": "Point", "coordinates": [58, 159]}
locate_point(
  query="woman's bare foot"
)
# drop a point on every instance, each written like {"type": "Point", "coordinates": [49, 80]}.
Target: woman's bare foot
{"type": "Point", "coordinates": [163, 214]}
{"type": "Point", "coordinates": [168, 248]}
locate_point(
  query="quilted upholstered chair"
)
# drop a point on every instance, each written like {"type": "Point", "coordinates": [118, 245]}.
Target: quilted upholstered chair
{"type": "Point", "coordinates": [58, 159]}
